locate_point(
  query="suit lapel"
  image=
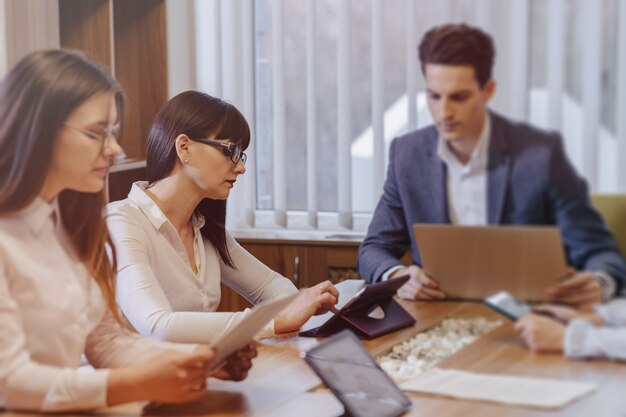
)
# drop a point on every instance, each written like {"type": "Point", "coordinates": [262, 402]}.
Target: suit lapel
{"type": "Point", "coordinates": [437, 183]}
{"type": "Point", "coordinates": [498, 169]}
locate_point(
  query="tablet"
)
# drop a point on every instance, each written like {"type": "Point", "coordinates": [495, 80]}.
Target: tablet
{"type": "Point", "coordinates": [353, 375]}
{"type": "Point", "coordinates": [365, 297]}
{"type": "Point", "coordinates": [243, 333]}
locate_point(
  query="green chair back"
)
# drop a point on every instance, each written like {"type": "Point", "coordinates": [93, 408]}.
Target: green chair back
{"type": "Point", "coordinates": [612, 208]}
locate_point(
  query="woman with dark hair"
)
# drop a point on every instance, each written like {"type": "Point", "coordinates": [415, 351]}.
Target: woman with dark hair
{"type": "Point", "coordinates": [172, 246]}
{"type": "Point", "coordinates": [60, 115]}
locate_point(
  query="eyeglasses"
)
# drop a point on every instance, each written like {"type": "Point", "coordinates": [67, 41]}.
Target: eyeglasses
{"type": "Point", "coordinates": [231, 150]}
{"type": "Point", "coordinates": [99, 135]}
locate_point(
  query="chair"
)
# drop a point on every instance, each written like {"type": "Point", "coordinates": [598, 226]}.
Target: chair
{"type": "Point", "coordinates": [612, 208]}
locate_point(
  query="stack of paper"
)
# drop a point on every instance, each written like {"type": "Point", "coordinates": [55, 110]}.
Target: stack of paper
{"type": "Point", "coordinates": [533, 392]}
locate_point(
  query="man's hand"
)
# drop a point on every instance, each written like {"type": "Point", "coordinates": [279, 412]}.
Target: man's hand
{"type": "Point", "coordinates": [419, 286]}
{"type": "Point", "coordinates": [579, 289]}
{"type": "Point", "coordinates": [541, 334]}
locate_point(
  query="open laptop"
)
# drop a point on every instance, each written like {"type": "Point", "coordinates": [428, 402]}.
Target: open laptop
{"type": "Point", "coordinates": [473, 262]}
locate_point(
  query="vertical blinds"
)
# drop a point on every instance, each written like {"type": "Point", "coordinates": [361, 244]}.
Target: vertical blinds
{"type": "Point", "coordinates": [228, 57]}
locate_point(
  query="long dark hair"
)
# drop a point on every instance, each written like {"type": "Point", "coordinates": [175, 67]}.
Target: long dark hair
{"type": "Point", "coordinates": [36, 98]}
{"type": "Point", "coordinates": [197, 115]}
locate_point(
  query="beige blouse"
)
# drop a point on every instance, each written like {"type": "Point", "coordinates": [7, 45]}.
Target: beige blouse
{"type": "Point", "coordinates": [51, 312]}
{"type": "Point", "coordinates": [157, 289]}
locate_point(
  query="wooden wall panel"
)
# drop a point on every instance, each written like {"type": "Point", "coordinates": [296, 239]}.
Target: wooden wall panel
{"type": "Point", "coordinates": [140, 66]}
{"type": "Point", "coordinates": [119, 183]}
{"type": "Point", "coordinates": [86, 25]}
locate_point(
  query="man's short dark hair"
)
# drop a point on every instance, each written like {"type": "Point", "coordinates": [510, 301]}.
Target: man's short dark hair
{"type": "Point", "coordinates": [458, 44]}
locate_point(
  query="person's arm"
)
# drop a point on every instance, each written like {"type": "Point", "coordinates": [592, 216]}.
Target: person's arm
{"type": "Point", "coordinates": [591, 248]}
{"type": "Point", "coordinates": [143, 300]}
{"type": "Point", "coordinates": [541, 334]}
{"type": "Point", "coordinates": [171, 377]}
{"type": "Point", "coordinates": [111, 346]}
{"type": "Point", "coordinates": [387, 238]}
{"type": "Point", "coordinates": [565, 314]}
{"type": "Point", "coordinates": [255, 281]}
{"type": "Point", "coordinates": [583, 340]}
{"type": "Point", "coordinates": [579, 339]}
{"type": "Point", "coordinates": [151, 370]}
{"type": "Point", "coordinates": [420, 286]}
{"type": "Point", "coordinates": [613, 313]}
{"type": "Point", "coordinates": [251, 278]}
{"type": "Point", "coordinates": [25, 383]}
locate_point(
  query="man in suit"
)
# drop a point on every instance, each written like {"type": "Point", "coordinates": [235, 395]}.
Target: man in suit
{"type": "Point", "coordinates": [473, 167]}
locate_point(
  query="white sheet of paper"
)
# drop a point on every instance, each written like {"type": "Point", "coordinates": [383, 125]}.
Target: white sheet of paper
{"type": "Point", "coordinates": [347, 290]}
{"type": "Point", "coordinates": [243, 333]}
{"type": "Point", "coordinates": [512, 390]}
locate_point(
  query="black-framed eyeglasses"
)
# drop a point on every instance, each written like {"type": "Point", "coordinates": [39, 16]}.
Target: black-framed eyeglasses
{"type": "Point", "coordinates": [231, 150]}
{"type": "Point", "coordinates": [109, 131]}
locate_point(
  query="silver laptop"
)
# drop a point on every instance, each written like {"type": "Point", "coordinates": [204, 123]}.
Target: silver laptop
{"type": "Point", "coordinates": [472, 262]}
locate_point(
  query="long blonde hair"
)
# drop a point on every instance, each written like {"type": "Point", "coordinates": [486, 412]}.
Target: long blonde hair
{"type": "Point", "coordinates": [36, 98]}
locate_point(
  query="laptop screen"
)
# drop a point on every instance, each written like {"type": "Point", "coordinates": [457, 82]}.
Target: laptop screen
{"type": "Point", "coordinates": [473, 262]}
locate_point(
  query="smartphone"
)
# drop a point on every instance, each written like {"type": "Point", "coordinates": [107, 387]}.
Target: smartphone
{"type": "Point", "coordinates": [507, 305]}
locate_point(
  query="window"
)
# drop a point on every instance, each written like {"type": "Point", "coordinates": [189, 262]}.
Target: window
{"type": "Point", "coordinates": [335, 81]}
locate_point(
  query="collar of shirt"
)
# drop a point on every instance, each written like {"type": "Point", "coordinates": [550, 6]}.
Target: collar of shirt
{"type": "Point", "coordinates": [152, 210]}
{"type": "Point", "coordinates": [478, 160]}
{"type": "Point", "coordinates": [38, 213]}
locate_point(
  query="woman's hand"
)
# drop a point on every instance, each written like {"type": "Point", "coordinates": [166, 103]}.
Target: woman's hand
{"type": "Point", "coordinates": [311, 301]}
{"type": "Point", "coordinates": [238, 364]}
{"type": "Point", "coordinates": [171, 377]}
{"type": "Point", "coordinates": [541, 334]}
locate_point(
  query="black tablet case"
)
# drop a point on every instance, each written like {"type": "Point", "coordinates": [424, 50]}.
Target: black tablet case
{"type": "Point", "coordinates": [355, 315]}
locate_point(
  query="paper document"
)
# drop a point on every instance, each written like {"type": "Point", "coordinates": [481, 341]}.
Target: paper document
{"type": "Point", "coordinates": [347, 290]}
{"type": "Point", "coordinates": [243, 333]}
{"type": "Point", "coordinates": [513, 390]}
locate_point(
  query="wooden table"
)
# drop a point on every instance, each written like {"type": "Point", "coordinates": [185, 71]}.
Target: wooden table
{"type": "Point", "coordinates": [281, 384]}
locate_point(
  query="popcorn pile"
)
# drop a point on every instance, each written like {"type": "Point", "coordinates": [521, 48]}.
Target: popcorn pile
{"type": "Point", "coordinates": [425, 350]}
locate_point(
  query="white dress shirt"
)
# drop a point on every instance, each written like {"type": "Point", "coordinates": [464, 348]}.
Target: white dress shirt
{"type": "Point", "coordinates": [157, 289]}
{"type": "Point", "coordinates": [582, 339]}
{"type": "Point", "coordinates": [467, 183]}
{"type": "Point", "coordinates": [51, 312]}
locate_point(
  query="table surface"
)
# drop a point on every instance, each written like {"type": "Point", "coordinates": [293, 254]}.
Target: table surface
{"type": "Point", "coordinates": [281, 384]}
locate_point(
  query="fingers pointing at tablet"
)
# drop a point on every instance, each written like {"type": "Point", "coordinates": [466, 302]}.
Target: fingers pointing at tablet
{"type": "Point", "coordinates": [311, 301]}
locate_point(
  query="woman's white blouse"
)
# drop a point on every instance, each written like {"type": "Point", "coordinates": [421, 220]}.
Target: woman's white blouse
{"type": "Point", "coordinates": [582, 339]}
{"type": "Point", "coordinates": [157, 289]}
{"type": "Point", "coordinates": [51, 312]}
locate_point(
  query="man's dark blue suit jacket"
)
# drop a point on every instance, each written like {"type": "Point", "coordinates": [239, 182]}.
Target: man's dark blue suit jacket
{"type": "Point", "coordinates": [530, 181]}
